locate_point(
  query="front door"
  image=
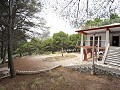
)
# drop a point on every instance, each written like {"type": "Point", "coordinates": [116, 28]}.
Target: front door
{"type": "Point", "coordinates": [115, 41]}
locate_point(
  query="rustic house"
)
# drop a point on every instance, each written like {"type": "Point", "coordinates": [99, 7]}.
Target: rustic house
{"type": "Point", "coordinates": [105, 39]}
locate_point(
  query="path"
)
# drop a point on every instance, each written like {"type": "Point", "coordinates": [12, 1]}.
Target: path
{"type": "Point", "coordinates": [72, 61]}
{"type": "Point", "coordinates": [36, 64]}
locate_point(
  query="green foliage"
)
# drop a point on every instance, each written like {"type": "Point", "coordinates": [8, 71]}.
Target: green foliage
{"type": "Point", "coordinates": [92, 23]}
{"type": "Point", "coordinates": [58, 42]}
{"type": "Point", "coordinates": [114, 16]}
{"type": "Point", "coordinates": [47, 45]}
{"type": "Point", "coordinates": [29, 48]}
{"type": "Point", "coordinates": [73, 40]}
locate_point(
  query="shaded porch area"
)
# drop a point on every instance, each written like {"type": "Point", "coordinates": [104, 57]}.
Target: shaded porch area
{"type": "Point", "coordinates": [97, 40]}
{"type": "Point", "coordinates": [87, 52]}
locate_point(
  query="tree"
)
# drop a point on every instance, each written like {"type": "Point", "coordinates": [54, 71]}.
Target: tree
{"type": "Point", "coordinates": [78, 11]}
{"type": "Point", "coordinates": [15, 16]}
{"type": "Point", "coordinates": [47, 45]}
{"type": "Point", "coordinates": [60, 41]}
{"type": "Point", "coordinates": [73, 41]}
{"type": "Point", "coordinates": [92, 23]}
{"type": "Point", "coordinates": [114, 16]}
{"type": "Point", "coordinates": [10, 59]}
{"type": "Point", "coordinates": [29, 48]}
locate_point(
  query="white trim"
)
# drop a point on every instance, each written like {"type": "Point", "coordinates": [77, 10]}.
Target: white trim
{"type": "Point", "coordinates": [82, 58]}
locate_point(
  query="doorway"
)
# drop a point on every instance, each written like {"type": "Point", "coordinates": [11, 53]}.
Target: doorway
{"type": "Point", "coordinates": [115, 41]}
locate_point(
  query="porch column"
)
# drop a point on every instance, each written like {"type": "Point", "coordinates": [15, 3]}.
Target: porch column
{"type": "Point", "coordinates": [98, 45]}
{"type": "Point", "coordinates": [85, 54]}
{"type": "Point", "coordinates": [81, 54]}
{"type": "Point", "coordinates": [107, 36]}
{"type": "Point", "coordinates": [93, 50]}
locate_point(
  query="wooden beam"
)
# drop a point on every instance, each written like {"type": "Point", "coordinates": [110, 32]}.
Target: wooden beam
{"type": "Point", "coordinates": [99, 28]}
{"type": "Point", "coordinates": [83, 33]}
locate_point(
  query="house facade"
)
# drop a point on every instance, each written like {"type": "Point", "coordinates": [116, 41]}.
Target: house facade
{"type": "Point", "coordinates": [99, 38]}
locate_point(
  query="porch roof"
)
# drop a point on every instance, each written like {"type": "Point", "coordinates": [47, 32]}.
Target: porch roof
{"type": "Point", "coordinates": [101, 29]}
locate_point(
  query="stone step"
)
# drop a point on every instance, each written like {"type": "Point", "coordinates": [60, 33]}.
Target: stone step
{"type": "Point", "coordinates": [114, 52]}
{"type": "Point", "coordinates": [110, 55]}
{"type": "Point", "coordinates": [113, 57]}
{"type": "Point", "coordinates": [111, 61]}
{"type": "Point", "coordinates": [113, 47]}
{"type": "Point", "coordinates": [111, 51]}
{"type": "Point", "coordinates": [114, 64]}
{"type": "Point", "coordinates": [108, 61]}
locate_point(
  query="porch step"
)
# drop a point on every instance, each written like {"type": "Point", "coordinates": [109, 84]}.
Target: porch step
{"type": "Point", "coordinates": [113, 56]}
{"type": "Point", "coordinates": [113, 61]}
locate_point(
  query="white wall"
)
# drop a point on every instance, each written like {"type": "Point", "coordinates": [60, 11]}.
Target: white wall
{"type": "Point", "coordinates": [103, 38]}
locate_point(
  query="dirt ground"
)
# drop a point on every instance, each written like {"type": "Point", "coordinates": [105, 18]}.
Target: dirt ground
{"type": "Point", "coordinates": [60, 79]}
{"type": "Point", "coordinates": [56, 79]}
{"type": "Point", "coordinates": [35, 63]}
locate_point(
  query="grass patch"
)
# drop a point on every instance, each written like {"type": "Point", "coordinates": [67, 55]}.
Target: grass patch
{"type": "Point", "coordinates": [2, 88]}
{"type": "Point", "coordinates": [36, 83]}
{"type": "Point", "coordinates": [59, 58]}
{"type": "Point", "coordinates": [21, 86]}
{"type": "Point", "coordinates": [61, 82]}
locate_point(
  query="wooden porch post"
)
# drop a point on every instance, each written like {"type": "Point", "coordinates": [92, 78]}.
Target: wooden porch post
{"type": "Point", "coordinates": [81, 47]}
{"type": "Point", "coordinates": [98, 45]}
{"type": "Point", "coordinates": [85, 54]}
{"type": "Point", "coordinates": [107, 36]}
{"type": "Point", "coordinates": [93, 49]}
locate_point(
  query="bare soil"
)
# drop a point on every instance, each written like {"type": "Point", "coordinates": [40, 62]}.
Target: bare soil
{"type": "Point", "coordinates": [60, 57]}
{"type": "Point", "coordinates": [35, 63]}
{"type": "Point", "coordinates": [57, 79]}
{"type": "Point", "coordinates": [60, 79]}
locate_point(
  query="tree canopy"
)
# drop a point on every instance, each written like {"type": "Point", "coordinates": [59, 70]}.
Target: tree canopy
{"type": "Point", "coordinates": [77, 12]}
{"type": "Point", "coordinates": [114, 18]}
{"type": "Point", "coordinates": [15, 25]}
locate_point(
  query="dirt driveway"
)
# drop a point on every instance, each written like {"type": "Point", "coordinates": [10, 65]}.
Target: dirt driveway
{"type": "Point", "coordinates": [37, 63]}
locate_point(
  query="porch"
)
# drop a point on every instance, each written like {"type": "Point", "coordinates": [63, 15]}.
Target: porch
{"type": "Point", "coordinates": [98, 39]}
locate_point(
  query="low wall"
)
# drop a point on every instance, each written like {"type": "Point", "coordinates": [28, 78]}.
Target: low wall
{"type": "Point", "coordinates": [99, 69]}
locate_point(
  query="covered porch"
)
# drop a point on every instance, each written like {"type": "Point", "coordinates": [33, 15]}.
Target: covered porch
{"type": "Point", "coordinates": [98, 38]}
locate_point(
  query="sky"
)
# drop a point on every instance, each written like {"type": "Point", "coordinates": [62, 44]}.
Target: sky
{"type": "Point", "coordinates": [55, 21]}
{"type": "Point", "coordinates": [57, 24]}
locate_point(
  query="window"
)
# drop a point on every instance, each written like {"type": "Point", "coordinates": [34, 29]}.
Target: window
{"type": "Point", "coordinates": [96, 41]}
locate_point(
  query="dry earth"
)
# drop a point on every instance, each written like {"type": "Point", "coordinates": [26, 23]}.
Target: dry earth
{"type": "Point", "coordinates": [60, 79]}
{"type": "Point", "coordinates": [57, 79]}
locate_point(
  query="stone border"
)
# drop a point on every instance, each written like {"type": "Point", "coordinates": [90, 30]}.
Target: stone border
{"type": "Point", "coordinates": [99, 69]}
{"type": "Point", "coordinates": [36, 72]}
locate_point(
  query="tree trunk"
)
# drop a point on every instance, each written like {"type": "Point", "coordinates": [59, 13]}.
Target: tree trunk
{"type": "Point", "coordinates": [2, 49]}
{"type": "Point", "coordinates": [2, 43]}
{"type": "Point", "coordinates": [10, 59]}
{"type": "Point", "coordinates": [4, 54]}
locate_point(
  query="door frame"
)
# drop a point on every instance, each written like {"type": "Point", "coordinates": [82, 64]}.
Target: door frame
{"type": "Point", "coordinates": [118, 42]}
